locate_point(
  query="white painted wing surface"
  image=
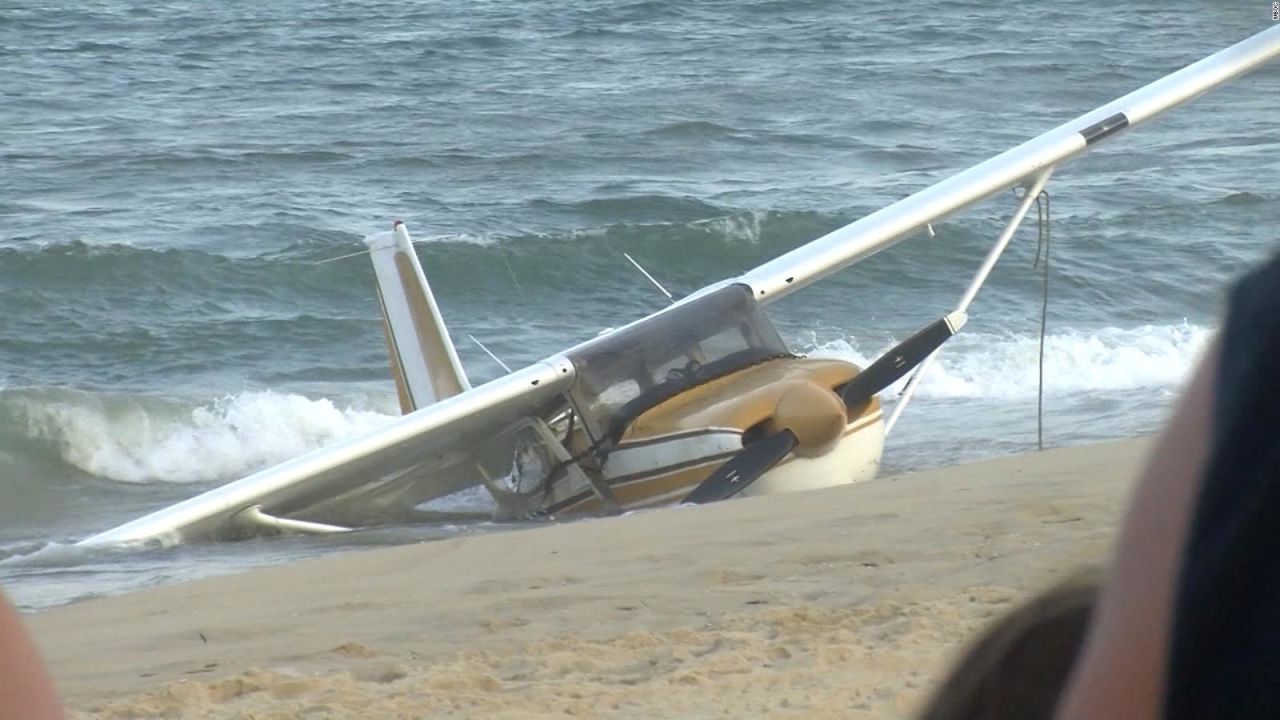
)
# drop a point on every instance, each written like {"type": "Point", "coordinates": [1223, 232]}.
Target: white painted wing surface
{"type": "Point", "coordinates": [407, 443]}
{"type": "Point", "coordinates": [888, 226]}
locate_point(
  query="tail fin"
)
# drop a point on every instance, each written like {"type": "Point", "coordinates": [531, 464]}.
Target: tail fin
{"type": "Point", "coordinates": [424, 362]}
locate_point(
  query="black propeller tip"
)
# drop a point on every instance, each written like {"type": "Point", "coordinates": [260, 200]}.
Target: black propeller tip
{"type": "Point", "coordinates": [900, 360]}
{"type": "Point", "coordinates": [739, 471]}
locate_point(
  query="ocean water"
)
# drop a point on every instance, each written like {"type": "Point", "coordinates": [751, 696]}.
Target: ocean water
{"type": "Point", "coordinates": [180, 183]}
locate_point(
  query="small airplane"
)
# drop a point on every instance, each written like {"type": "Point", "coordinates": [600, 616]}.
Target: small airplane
{"type": "Point", "coordinates": [698, 402]}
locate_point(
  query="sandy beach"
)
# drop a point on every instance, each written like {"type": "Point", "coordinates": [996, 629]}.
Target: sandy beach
{"type": "Point", "coordinates": [843, 603]}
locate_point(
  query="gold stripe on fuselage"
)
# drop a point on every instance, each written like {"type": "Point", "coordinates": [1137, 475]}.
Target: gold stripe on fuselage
{"type": "Point", "coordinates": [660, 484]}
{"type": "Point", "coordinates": [397, 369]}
{"type": "Point", "coordinates": [445, 384]}
{"type": "Point", "coordinates": [744, 398]}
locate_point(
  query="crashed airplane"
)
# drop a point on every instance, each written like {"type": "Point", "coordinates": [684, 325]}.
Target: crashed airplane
{"type": "Point", "coordinates": [698, 402]}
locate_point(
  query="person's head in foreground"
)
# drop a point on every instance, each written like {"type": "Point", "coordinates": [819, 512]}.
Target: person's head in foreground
{"type": "Point", "coordinates": [1016, 669]}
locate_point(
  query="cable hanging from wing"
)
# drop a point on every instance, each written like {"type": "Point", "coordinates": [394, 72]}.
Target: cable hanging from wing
{"type": "Point", "coordinates": [502, 252]}
{"type": "Point", "coordinates": [1042, 247]}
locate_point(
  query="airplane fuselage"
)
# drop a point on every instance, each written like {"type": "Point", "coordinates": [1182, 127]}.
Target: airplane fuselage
{"type": "Point", "coordinates": [671, 448]}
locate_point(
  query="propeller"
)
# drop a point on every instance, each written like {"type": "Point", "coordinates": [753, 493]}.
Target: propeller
{"type": "Point", "coordinates": [811, 417]}
{"type": "Point", "coordinates": [808, 417]}
{"type": "Point", "coordinates": [744, 468]}
{"type": "Point", "coordinates": [900, 360]}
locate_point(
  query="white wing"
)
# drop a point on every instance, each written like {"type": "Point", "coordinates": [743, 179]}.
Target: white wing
{"type": "Point", "coordinates": [890, 225]}
{"type": "Point", "coordinates": [407, 450]}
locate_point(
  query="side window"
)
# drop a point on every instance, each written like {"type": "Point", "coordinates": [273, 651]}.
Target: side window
{"type": "Point", "coordinates": [724, 343]}
{"type": "Point", "coordinates": [676, 363]}
{"type": "Point", "coordinates": [617, 395]}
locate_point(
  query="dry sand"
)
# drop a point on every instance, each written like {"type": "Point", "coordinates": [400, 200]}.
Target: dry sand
{"type": "Point", "coordinates": [841, 603]}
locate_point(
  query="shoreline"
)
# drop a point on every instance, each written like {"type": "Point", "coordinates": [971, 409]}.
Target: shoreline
{"type": "Point", "coordinates": [845, 602]}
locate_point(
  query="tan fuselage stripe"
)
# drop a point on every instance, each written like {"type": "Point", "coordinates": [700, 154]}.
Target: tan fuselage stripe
{"type": "Point", "coordinates": [397, 372]}
{"type": "Point", "coordinates": [634, 489]}
{"type": "Point", "coordinates": [442, 373]}
{"type": "Point", "coordinates": [677, 435]}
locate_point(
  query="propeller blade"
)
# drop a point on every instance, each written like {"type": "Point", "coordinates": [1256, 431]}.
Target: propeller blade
{"type": "Point", "coordinates": [899, 361]}
{"type": "Point", "coordinates": [743, 469]}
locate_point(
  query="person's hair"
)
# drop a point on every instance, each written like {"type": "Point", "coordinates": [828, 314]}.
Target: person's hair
{"type": "Point", "coordinates": [1018, 666]}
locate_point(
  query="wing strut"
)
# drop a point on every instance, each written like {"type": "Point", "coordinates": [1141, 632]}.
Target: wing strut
{"type": "Point", "coordinates": [255, 517]}
{"type": "Point", "coordinates": [1031, 191]}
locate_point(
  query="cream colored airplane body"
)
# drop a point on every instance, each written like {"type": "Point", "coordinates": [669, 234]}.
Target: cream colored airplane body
{"type": "Point", "coordinates": [698, 402]}
{"type": "Point", "coordinates": [654, 408]}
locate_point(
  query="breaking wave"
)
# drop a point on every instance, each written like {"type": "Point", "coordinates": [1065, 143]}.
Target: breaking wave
{"type": "Point", "coordinates": [147, 439]}
{"type": "Point", "coordinates": [1075, 361]}
{"type": "Point", "coordinates": [136, 439]}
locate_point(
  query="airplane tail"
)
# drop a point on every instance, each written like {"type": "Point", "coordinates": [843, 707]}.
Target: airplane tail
{"type": "Point", "coordinates": [424, 362]}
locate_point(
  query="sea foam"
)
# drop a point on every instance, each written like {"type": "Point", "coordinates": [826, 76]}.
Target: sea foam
{"type": "Point", "coordinates": [1005, 366]}
{"type": "Point", "coordinates": [128, 440]}
{"type": "Point", "coordinates": [131, 441]}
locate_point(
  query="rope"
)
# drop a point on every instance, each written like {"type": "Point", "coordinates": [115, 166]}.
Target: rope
{"type": "Point", "coordinates": [340, 257]}
{"type": "Point", "coordinates": [1042, 245]}
{"type": "Point", "coordinates": [503, 252]}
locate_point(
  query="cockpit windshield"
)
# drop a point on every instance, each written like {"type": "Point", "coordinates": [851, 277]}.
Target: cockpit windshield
{"type": "Point", "coordinates": [627, 372]}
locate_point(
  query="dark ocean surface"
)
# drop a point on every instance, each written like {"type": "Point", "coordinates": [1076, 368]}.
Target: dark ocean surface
{"type": "Point", "coordinates": [174, 177]}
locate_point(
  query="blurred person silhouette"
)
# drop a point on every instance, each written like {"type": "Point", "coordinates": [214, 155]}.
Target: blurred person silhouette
{"type": "Point", "coordinates": [1016, 668]}
{"type": "Point", "coordinates": [1188, 622]}
{"type": "Point", "coordinates": [26, 692]}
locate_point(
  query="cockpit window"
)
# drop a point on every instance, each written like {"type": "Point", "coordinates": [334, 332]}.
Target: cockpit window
{"type": "Point", "coordinates": [622, 374]}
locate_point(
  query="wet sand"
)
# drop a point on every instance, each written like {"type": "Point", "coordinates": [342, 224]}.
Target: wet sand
{"type": "Point", "coordinates": [840, 603]}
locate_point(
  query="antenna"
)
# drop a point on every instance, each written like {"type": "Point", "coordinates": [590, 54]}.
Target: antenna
{"type": "Point", "coordinates": [490, 353]}
{"type": "Point", "coordinates": [340, 257]}
{"type": "Point", "coordinates": [650, 277]}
